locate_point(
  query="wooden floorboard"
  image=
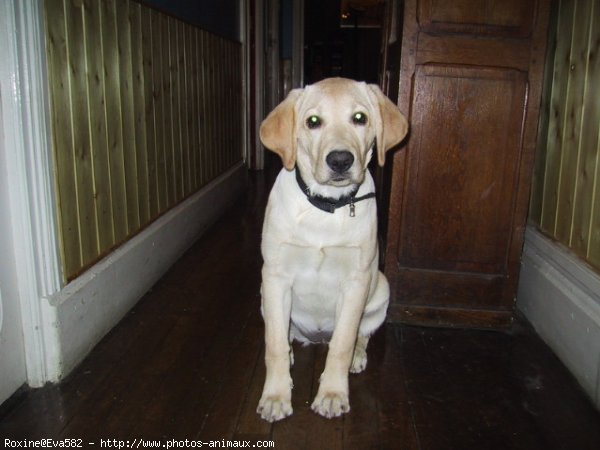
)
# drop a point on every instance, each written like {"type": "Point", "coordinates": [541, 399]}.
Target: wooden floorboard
{"type": "Point", "coordinates": [187, 363]}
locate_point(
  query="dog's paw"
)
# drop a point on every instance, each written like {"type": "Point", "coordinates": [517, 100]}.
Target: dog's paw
{"type": "Point", "coordinates": [359, 360]}
{"type": "Point", "coordinates": [331, 404]}
{"type": "Point", "coordinates": [274, 407]}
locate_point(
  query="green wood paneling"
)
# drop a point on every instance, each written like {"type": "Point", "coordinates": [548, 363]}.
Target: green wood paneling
{"type": "Point", "coordinates": [81, 148]}
{"type": "Point", "coordinates": [145, 111]}
{"type": "Point", "coordinates": [62, 136]}
{"type": "Point", "coordinates": [566, 193]}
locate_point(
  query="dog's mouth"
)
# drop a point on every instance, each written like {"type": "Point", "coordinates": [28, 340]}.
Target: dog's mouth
{"type": "Point", "coordinates": [344, 180]}
{"type": "Point", "coordinates": [340, 179]}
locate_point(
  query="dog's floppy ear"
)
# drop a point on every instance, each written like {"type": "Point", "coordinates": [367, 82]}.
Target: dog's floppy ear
{"type": "Point", "coordinates": [277, 131]}
{"type": "Point", "coordinates": [390, 124]}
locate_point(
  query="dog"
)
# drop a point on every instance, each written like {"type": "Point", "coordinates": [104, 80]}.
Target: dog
{"type": "Point", "coordinates": [320, 277]}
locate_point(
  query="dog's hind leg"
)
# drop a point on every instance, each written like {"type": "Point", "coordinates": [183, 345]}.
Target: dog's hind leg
{"type": "Point", "coordinates": [291, 340]}
{"type": "Point", "coordinates": [372, 318]}
{"type": "Point", "coordinates": [359, 358]}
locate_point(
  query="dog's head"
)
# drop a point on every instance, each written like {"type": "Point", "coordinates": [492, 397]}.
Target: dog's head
{"type": "Point", "coordinates": [329, 129]}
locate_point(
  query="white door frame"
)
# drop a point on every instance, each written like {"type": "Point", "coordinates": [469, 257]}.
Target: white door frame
{"type": "Point", "coordinates": [30, 170]}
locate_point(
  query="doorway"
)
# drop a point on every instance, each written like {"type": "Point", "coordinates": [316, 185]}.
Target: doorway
{"type": "Point", "coordinates": [343, 39]}
{"type": "Point", "coordinates": [292, 43]}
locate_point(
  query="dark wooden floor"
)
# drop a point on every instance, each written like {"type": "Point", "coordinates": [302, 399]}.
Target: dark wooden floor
{"type": "Point", "coordinates": [186, 363]}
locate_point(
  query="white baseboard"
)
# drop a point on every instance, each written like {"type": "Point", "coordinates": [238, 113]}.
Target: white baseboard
{"type": "Point", "coordinates": [77, 317]}
{"type": "Point", "coordinates": [560, 295]}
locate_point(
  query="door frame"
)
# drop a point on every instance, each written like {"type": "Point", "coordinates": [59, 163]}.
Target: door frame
{"type": "Point", "coordinates": [26, 128]}
{"type": "Point", "coordinates": [261, 24]}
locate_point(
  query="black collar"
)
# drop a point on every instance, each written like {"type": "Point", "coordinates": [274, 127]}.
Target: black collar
{"type": "Point", "coordinates": [329, 204]}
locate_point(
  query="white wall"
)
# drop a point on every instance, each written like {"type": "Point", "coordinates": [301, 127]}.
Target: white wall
{"type": "Point", "coordinates": [560, 295]}
{"type": "Point", "coordinates": [12, 353]}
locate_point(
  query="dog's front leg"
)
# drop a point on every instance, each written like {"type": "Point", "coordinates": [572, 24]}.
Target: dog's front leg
{"type": "Point", "coordinates": [332, 396]}
{"type": "Point", "coordinates": [276, 400]}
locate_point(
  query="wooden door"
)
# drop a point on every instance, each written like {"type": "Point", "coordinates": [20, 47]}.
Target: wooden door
{"type": "Point", "coordinates": [470, 82]}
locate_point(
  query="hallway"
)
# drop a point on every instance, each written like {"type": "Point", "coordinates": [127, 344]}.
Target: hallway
{"type": "Point", "coordinates": [187, 363]}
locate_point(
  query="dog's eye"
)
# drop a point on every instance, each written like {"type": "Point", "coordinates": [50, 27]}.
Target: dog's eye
{"type": "Point", "coordinates": [313, 122]}
{"type": "Point", "coordinates": [359, 118]}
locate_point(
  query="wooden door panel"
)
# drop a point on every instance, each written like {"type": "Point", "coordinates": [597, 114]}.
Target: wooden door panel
{"type": "Point", "coordinates": [444, 48]}
{"type": "Point", "coordinates": [505, 17]}
{"type": "Point", "coordinates": [420, 287]}
{"type": "Point", "coordinates": [463, 159]}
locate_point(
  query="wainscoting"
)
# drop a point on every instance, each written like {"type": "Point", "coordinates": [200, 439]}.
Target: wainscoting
{"type": "Point", "coordinates": [559, 283]}
{"type": "Point", "coordinates": [146, 110]}
{"type": "Point", "coordinates": [565, 200]}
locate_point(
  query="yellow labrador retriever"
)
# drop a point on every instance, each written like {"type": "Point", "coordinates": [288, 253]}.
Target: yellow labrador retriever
{"type": "Point", "coordinates": [320, 278]}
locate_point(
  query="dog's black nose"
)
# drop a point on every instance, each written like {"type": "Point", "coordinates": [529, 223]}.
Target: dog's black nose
{"type": "Point", "coordinates": [339, 160]}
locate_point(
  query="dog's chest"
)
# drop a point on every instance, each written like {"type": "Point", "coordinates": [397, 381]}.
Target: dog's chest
{"type": "Point", "coordinates": [319, 263]}
{"type": "Point", "coordinates": [319, 275]}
